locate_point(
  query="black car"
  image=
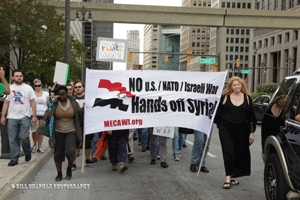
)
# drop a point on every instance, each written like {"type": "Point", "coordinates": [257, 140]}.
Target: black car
{"type": "Point", "coordinates": [260, 105]}
{"type": "Point", "coordinates": [281, 141]}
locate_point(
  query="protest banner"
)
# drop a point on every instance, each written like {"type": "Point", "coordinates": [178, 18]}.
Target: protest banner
{"type": "Point", "coordinates": [61, 73]}
{"type": "Point", "coordinates": [111, 50]}
{"type": "Point", "coordinates": [138, 99]}
{"type": "Point", "coordinates": [165, 131]}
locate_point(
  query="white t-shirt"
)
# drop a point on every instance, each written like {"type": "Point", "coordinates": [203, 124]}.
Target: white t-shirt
{"type": "Point", "coordinates": [41, 104]}
{"type": "Point", "coordinates": [19, 101]}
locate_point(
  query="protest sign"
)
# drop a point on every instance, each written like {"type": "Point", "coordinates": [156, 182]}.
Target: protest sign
{"type": "Point", "coordinates": [2, 88]}
{"type": "Point", "coordinates": [61, 73]}
{"type": "Point", "coordinates": [111, 50]}
{"type": "Point", "coordinates": [139, 99]}
{"type": "Point", "coordinates": [164, 131]}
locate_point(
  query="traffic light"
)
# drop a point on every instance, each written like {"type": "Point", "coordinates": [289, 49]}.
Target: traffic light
{"type": "Point", "coordinates": [265, 69]}
{"type": "Point", "coordinates": [215, 69]}
{"type": "Point", "coordinates": [166, 57]}
{"type": "Point", "coordinates": [188, 58]}
{"type": "Point", "coordinates": [237, 63]}
{"type": "Point", "coordinates": [131, 56]}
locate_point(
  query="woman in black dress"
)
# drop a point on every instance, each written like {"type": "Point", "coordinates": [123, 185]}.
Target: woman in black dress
{"type": "Point", "coordinates": [236, 122]}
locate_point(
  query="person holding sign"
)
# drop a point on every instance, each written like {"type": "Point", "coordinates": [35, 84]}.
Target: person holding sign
{"type": "Point", "coordinates": [237, 123]}
{"type": "Point", "coordinates": [4, 87]}
{"type": "Point", "coordinates": [19, 104]}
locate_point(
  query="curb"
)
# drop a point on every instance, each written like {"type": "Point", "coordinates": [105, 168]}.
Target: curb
{"type": "Point", "coordinates": [26, 175]}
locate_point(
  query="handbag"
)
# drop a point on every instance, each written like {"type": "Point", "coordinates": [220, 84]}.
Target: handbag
{"type": "Point", "coordinates": [44, 128]}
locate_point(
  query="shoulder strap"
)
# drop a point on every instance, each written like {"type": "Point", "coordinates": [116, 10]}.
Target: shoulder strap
{"type": "Point", "coordinates": [225, 99]}
{"type": "Point", "coordinates": [246, 96]}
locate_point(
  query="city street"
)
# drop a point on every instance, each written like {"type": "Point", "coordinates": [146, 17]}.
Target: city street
{"type": "Point", "coordinates": [145, 181]}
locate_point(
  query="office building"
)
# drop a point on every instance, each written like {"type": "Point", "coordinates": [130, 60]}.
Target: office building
{"type": "Point", "coordinates": [133, 42]}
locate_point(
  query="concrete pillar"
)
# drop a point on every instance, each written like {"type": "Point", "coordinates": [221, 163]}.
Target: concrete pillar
{"type": "Point", "coordinates": [256, 72]}
{"type": "Point", "coordinates": [269, 65]}
{"type": "Point", "coordinates": [221, 47]}
{"type": "Point", "coordinates": [282, 66]}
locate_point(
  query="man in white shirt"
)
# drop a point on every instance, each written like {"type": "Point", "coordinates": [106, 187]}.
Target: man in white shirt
{"type": "Point", "coordinates": [19, 104]}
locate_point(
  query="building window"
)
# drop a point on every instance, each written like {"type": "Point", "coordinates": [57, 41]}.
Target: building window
{"type": "Point", "coordinates": [198, 30]}
{"type": "Point", "coordinates": [279, 39]}
{"type": "Point", "coordinates": [209, 4]}
{"type": "Point", "coordinates": [263, 4]}
{"type": "Point", "coordinates": [231, 40]}
{"type": "Point", "coordinates": [231, 57]}
{"type": "Point", "coordinates": [296, 35]}
{"type": "Point", "coordinates": [272, 41]}
{"type": "Point", "coordinates": [244, 5]}
{"type": "Point", "coordinates": [247, 40]}
{"type": "Point", "coordinates": [247, 32]}
{"type": "Point", "coordinates": [198, 51]}
{"type": "Point", "coordinates": [237, 40]}
{"type": "Point", "coordinates": [231, 49]}
{"type": "Point", "coordinates": [241, 57]}
{"type": "Point", "coordinates": [276, 5]}
{"type": "Point", "coordinates": [207, 44]}
{"type": "Point", "coordinates": [266, 42]}
{"type": "Point", "coordinates": [233, 5]}
{"type": "Point", "coordinates": [227, 40]}
{"type": "Point", "coordinates": [242, 49]}
{"type": "Point", "coordinates": [236, 49]}
{"type": "Point", "coordinates": [258, 5]}
{"type": "Point", "coordinates": [287, 37]}
{"type": "Point", "coordinates": [153, 66]}
{"type": "Point", "coordinates": [154, 61]}
{"type": "Point", "coordinates": [291, 3]}
{"type": "Point", "coordinates": [202, 44]}
{"type": "Point", "coordinates": [246, 65]}
{"type": "Point", "coordinates": [249, 5]}
{"type": "Point", "coordinates": [194, 30]}
{"type": "Point", "coordinates": [193, 44]}
{"type": "Point", "coordinates": [242, 40]}
{"type": "Point", "coordinates": [194, 37]}
{"type": "Point", "coordinates": [283, 4]}
{"type": "Point", "coordinates": [198, 44]}
{"type": "Point", "coordinates": [199, 3]}
{"type": "Point", "coordinates": [232, 31]}
{"type": "Point", "coordinates": [203, 30]}
{"type": "Point", "coordinates": [208, 30]}
{"type": "Point", "coordinates": [193, 51]}
{"type": "Point", "coordinates": [202, 52]}
{"type": "Point", "coordinates": [154, 35]}
{"type": "Point", "coordinates": [238, 5]}
{"type": "Point", "coordinates": [242, 31]}
{"type": "Point", "coordinates": [246, 58]}
{"type": "Point", "coordinates": [204, 4]}
{"type": "Point", "coordinates": [154, 44]}
{"type": "Point", "coordinates": [226, 57]}
{"type": "Point", "coordinates": [228, 4]}
{"type": "Point", "coordinates": [270, 4]}
{"type": "Point", "coordinates": [246, 49]}
{"type": "Point", "coordinates": [154, 57]}
{"type": "Point", "coordinates": [237, 31]}
{"type": "Point", "coordinates": [236, 57]}
{"type": "Point", "coordinates": [195, 3]}
{"type": "Point", "coordinates": [203, 36]}
{"type": "Point", "coordinates": [260, 44]}
{"type": "Point", "coordinates": [198, 37]}
{"type": "Point", "coordinates": [207, 37]}
{"type": "Point", "coordinates": [223, 4]}
{"type": "Point", "coordinates": [154, 48]}
{"type": "Point", "coordinates": [227, 48]}
{"type": "Point", "coordinates": [228, 31]}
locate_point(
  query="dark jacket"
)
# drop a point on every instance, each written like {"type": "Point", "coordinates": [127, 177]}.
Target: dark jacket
{"type": "Point", "coordinates": [76, 108]}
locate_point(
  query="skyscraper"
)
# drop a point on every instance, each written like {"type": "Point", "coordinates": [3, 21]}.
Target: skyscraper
{"type": "Point", "coordinates": [133, 42]}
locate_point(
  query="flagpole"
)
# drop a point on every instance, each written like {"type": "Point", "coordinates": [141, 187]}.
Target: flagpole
{"type": "Point", "coordinates": [203, 154]}
{"type": "Point", "coordinates": [83, 154]}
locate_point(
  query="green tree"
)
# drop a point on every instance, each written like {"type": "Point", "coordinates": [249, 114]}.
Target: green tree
{"type": "Point", "coordinates": [34, 32]}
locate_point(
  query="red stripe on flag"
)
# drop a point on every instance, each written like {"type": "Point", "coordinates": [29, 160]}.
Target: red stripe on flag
{"type": "Point", "coordinates": [114, 87]}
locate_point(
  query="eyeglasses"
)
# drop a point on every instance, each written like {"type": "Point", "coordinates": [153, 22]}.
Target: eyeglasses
{"type": "Point", "coordinates": [37, 85]}
{"type": "Point", "coordinates": [78, 87]}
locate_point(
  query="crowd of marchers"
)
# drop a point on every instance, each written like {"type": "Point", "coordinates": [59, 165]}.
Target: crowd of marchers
{"type": "Point", "coordinates": [26, 106]}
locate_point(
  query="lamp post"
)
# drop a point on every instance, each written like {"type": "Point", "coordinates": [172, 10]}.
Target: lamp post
{"type": "Point", "coordinates": [67, 32]}
{"type": "Point", "coordinates": [83, 12]}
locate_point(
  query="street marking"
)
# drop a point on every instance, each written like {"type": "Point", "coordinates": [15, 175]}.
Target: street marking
{"type": "Point", "coordinates": [209, 154]}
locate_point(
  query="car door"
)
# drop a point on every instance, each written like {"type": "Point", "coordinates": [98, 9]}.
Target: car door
{"type": "Point", "coordinates": [257, 105]}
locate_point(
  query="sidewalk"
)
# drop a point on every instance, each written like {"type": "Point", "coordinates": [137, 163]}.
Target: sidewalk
{"type": "Point", "coordinates": [23, 172]}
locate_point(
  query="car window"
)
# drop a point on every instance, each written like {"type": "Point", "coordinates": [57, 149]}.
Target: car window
{"type": "Point", "coordinates": [266, 100]}
{"type": "Point", "coordinates": [258, 100]}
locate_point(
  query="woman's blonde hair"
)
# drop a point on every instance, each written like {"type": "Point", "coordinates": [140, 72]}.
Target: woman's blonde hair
{"type": "Point", "coordinates": [37, 80]}
{"type": "Point", "coordinates": [229, 91]}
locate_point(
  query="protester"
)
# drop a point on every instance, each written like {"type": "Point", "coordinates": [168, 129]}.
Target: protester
{"type": "Point", "coordinates": [153, 149]}
{"type": "Point", "coordinates": [79, 95]}
{"type": "Point", "coordinates": [19, 104]}
{"type": "Point", "coordinates": [67, 130]}
{"type": "Point", "coordinates": [236, 122]}
{"type": "Point", "coordinates": [145, 138]}
{"type": "Point", "coordinates": [117, 141]}
{"type": "Point", "coordinates": [197, 151]}
{"type": "Point", "coordinates": [70, 90]}
{"type": "Point", "coordinates": [177, 144]}
{"type": "Point", "coordinates": [130, 146]}
{"type": "Point", "coordinates": [41, 100]}
{"type": "Point", "coordinates": [4, 82]}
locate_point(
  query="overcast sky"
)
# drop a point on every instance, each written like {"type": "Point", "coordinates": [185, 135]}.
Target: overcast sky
{"type": "Point", "coordinates": [120, 30]}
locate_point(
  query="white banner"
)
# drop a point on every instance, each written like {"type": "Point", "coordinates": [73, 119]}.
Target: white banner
{"type": "Point", "coordinates": [165, 131]}
{"type": "Point", "coordinates": [139, 99]}
{"type": "Point", "coordinates": [111, 50]}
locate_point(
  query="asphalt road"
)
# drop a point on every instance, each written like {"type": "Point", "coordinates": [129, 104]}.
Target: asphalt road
{"type": "Point", "coordinates": [145, 181]}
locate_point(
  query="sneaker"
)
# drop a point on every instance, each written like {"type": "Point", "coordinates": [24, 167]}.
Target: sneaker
{"type": "Point", "coordinates": [28, 157]}
{"type": "Point", "coordinates": [204, 169]}
{"type": "Point", "coordinates": [103, 157]}
{"type": "Point", "coordinates": [158, 157]}
{"type": "Point", "coordinates": [114, 167]}
{"type": "Point", "coordinates": [179, 155]}
{"type": "Point", "coordinates": [89, 161]}
{"type": "Point", "coordinates": [143, 149]}
{"type": "Point", "coordinates": [153, 162]}
{"type": "Point", "coordinates": [130, 158]}
{"type": "Point", "coordinates": [34, 148]}
{"type": "Point", "coordinates": [12, 163]}
{"type": "Point", "coordinates": [176, 158]}
{"type": "Point", "coordinates": [164, 165]}
{"type": "Point", "coordinates": [95, 159]}
{"type": "Point", "coordinates": [194, 168]}
{"type": "Point", "coordinates": [123, 168]}
{"type": "Point", "coordinates": [135, 138]}
{"type": "Point", "coordinates": [40, 150]}
{"type": "Point", "coordinates": [74, 167]}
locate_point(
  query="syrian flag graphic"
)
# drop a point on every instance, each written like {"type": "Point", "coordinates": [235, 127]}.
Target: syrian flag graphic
{"type": "Point", "coordinates": [112, 94]}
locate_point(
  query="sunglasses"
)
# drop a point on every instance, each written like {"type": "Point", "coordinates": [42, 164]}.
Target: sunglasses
{"type": "Point", "coordinates": [78, 87]}
{"type": "Point", "coordinates": [69, 88]}
{"type": "Point", "coordinates": [37, 85]}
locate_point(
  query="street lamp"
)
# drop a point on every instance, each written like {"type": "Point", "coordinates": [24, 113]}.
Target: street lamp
{"type": "Point", "coordinates": [83, 11]}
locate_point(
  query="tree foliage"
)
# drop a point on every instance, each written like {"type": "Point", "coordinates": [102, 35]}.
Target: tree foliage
{"type": "Point", "coordinates": [34, 32]}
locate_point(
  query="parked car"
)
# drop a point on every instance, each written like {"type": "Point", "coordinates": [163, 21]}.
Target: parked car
{"type": "Point", "coordinates": [280, 135]}
{"type": "Point", "coordinates": [260, 105]}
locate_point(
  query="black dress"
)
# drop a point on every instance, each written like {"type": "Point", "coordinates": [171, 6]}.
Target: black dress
{"type": "Point", "coordinates": [235, 125]}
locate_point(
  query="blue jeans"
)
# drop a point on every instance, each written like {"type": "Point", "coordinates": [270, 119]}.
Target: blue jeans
{"type": "Point", "coordinates": [157, 146]}
{"type": "Point", "coordinates": [18, 129]}
{"type": "Point", "coordinates": [184, 137]}
{"type": "Point", "coordinates": [145, 139]}
{"type": "Point", "coordinates": [198, 147]}
{"type": "Point", "coordinates": [177, 142]}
